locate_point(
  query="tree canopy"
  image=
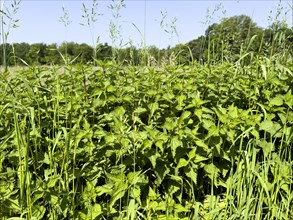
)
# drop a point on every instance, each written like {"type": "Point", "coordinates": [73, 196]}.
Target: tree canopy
{"type": "Point", "coordinates": [223, 41]}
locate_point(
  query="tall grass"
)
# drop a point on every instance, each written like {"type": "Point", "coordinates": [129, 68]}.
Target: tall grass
{"type": "Point", "coordinates": [7, 22]}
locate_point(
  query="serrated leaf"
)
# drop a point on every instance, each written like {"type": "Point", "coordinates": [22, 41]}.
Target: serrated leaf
{"type": "Point", "coordinates": [133, 177]}
{"type": "Point", "coordinates": [139, 110]}
{"type": "Point", "coordinates": [267, 147]}
{"type": "Point", "coordinates": [169, 124]}
{"type": "Point", "coordinates": [105, 189]}
{"type": "Point", "coordinates": [221, 116]}
{"type": "Point", "coordinates": [198, 113]}
{"type": "Point", "coordinates": [116, 177]}
{"type": "Point", "coordinates": [233, 111]}
{"type": "Point", "coordinates": [94, 211]}
{"type": "Point", "coordinates": [289, 99]}
{"type": "Point", "coordinates": [192, 154]}
{"type": "Point", "coordinates": [179, 208]}
{"type": "Point", "coordinates": [153, 159]}
{"type": "Point", "coordinates": [135, 192]}
{"type": "Point", "coordinates": [270, 127]}
{"type": "Point", "coordinates": [201, 144]}
{"type": "Point", "coordinates": [161, 171]}
{"type": "Point", "coordinates": [153, 107]}
{"type": "Point", "coordinates": [38, 211]}
{"type": "Point", "coordinates": [255, 133]}
{"type": "Point", "coordinates": [152, 194]}
{"type": "Point", "coordinates": [212, 172]}
{"type": "Point", "coordinates": [147, 144]}
{"type": "Point", "coordinates": [198, 159]}
{"type": "Point", "coordinates": [276, 101]}
{"type": "Point", "coordinates": [208, 123]}
{"type": "Point", "coordinates": [182, 163]}
{"type": "Point", "coordinates": [118, 192]}
{"type": "Point", "coordinates": [52, 181]}
{"type": "Point", "coordinates": [184, 115]}
{"type": "Point", "coordinates": [119, 112]}
{"type": "Point", "coordinates": [192, 174]}
{"type": "Point", "coordinates": [175, 143]}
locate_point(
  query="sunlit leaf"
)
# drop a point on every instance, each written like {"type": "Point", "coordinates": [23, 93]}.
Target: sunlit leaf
{"type": "Point", "coordinates": [182, 163]}
{"type": "Point", "coordinates": [276, 101]}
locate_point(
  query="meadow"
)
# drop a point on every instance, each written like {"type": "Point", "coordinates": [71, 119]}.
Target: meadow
{"type": "Point", "coordinates": [106, 140]}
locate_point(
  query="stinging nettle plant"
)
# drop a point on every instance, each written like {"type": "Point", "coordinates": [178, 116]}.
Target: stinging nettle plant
{"type": "Point", "coordinates": [7, 22]}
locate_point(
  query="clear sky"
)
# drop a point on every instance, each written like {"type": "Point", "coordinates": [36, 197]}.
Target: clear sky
{"type": "Point", "coordinates": [39, 19]}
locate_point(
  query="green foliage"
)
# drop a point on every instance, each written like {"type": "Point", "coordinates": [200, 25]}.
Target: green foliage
{"type": "Point", "coordinates": [126, 142]}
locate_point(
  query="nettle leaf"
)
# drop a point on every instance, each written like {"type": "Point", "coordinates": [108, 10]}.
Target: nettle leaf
{"type": "Point", "coordinates": [199, 159]}
{"type": "Point", "coordinates": [289, 99]}
{"type": "Point", "coordinates": [152, 194]}
{"type": "Point", "coordinates": [110, 88]}
{"type": "Point", "coordinates": [175, 142]}
{"type": "Point", "coordinates": [201, 143]}
{"type": "Point", "coordinates": [168, 96]}
{"type": "Point", "coordinates": [182, 163]}
{"type": "Point", "coordinates": [38, 211]}
{"type": "Point", "coordinates": [134, 177]}
{"type": "Point", "coordinates": [160, 145]}
{"type": "Point", "coordinates": [192, 153]}
{"type": "Point", "coordinates": [184, 115]}
{"type": "Point", "coordinates": [179, 208]}
{"type": "Point", "coordinates": [151, 131]}
{"type": "Point", "coordinates": [255, 133]}
{"type": "Point", "coordinates": [116, 176]}
{"type": "Point", "coordinates": [276, 101]}
{"type": "Point", "coordinates": [198, 113]}
{"type": "Point", "coordinates": [270, 127]}
{"type": "Point", "coordinates": [135, 192]}
{"type": "Point", "coordinates": [140, 110]}
{"type": "Point", "coordinates": [283, 117]}
{"type": "Point", "coordinates": [153, 159]}
{"type": "Point", "coordinates": [267, 147]}
{"type": "Point", "coordinates": [213, 131]}
{"type": "Point", "coordinates": [94, 211]}
{"type": "Point", "coordinates": [191, 172]}
{"type": "Point", "coordinates": [212, 172]}
{"type": "Point", "coordinates": [118, 192]}
{"type": "Point", "coordinates": [161, 171]}
{"type": "Point", "coordinates": [170, 124]}
{"type": "Point", "coordinates": [53, 180]}
{"type": "Point", "coordinates": [105, 189]}
{"type": "Point", "coordinates": [222, 115]}
{"type": "Point", "coordinates": [86, 124]}
{"type": "Point", "coordinates": [119, 112]}
{"type": "Point", "coordinates": [153, 107]}
{"type": "Point", "coordinates": [208, 123]}
{"type": "Point", "coordinates": [233, 111]}
{"type": "Point", "coordinates": [110, 138]}
{"type": "Point", "coordinates": [197, 101]}
{"type": "Point", "coordinates": [147, 144]}
{"type": "Point", "coordinates": [180, 99]}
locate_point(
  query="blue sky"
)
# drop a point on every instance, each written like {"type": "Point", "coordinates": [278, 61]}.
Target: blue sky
{"type": "Point", "coordinates": [39, 19]}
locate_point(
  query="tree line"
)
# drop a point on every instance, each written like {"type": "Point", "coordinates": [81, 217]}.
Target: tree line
{"type": "Point", "coordinates": [228, 40]}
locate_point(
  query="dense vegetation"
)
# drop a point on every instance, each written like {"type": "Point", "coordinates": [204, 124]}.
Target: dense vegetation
{"type": "Point", "coordinates": [199, 131]}
{"type": "Point", "coordinates": [181, 142]}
